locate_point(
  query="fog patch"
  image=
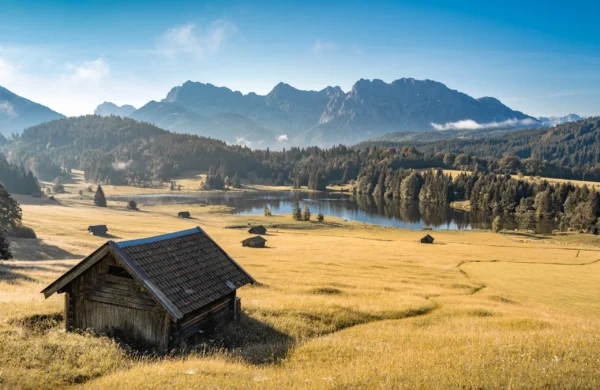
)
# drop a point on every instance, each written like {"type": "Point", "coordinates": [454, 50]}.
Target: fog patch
{"type": "Point", "coordinates": [7, 109]}
{"type": "Point", "coordinates": [121, 165]}
{"type": "Point", "coordinates": [469, 124]}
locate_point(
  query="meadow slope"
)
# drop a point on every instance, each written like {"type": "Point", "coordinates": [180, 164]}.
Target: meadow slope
{"type": "Point", "coordinates": [338, 305]}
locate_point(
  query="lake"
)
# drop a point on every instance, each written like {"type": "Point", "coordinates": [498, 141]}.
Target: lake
{"type": "Point", "coordinates": [368, 209]}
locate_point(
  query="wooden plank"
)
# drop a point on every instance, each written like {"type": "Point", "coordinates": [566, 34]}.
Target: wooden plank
{"type": "Point", "coordinates": [119, 298]}
{"type": "Point", "coordinates": [119, 291]}
{"type": "Point", "coordinates": [126, 304]}
{"type": "Point", "coordinates": [118, 279]}
{"type": "Point", "coordinates": [76, 271]}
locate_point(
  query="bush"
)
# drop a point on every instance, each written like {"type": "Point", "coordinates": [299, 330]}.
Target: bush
{"type": "Point", "coordinates": [320, 217]}
{"type": "Point", "coordinates": [297, 214]}
{"type": "Point", "coordinates": [132, 205]}
{"type": "Point", "coordinates": [497, 225]}
{"type": "Point", "coordinates": [267, 211]}
{"type": "Point", "coordinates": [21, 232]}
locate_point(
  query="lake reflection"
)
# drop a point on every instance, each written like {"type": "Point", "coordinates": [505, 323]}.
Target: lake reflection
{"type": "Point", "coordinates": [368, 209]}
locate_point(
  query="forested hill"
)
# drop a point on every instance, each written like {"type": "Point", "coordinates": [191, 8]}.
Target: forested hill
{"type": "Point", "coordinates": [574, 145]}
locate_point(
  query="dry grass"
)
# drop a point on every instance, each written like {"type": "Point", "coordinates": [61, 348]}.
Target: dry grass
{"type": "Point", "coordinates": [342, 306]}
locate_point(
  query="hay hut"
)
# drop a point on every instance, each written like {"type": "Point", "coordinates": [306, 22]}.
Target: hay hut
{"type": "Point", "coordinates": [258, 230]}
{"type": "Point", "coordinates": [184, 214]}
{"type": "Point", "coordinates": [427, 239]}
{"type": "Point", "coordinates": [98, 230]}
{"type": "Point", "coordinates": [254, 242]}
{"type": "Point", "coordinates": [156, 293]}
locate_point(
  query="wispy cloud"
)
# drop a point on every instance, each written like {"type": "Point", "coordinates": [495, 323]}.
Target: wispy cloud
{"type": "Point", "coordinates": [570, 93]}
{"type": "Point", "coordinates": [192, 40]}
{"type": "Point", "coordinates": [87, 71]}
{"type": "Point", "coordinates": [321, 47]}
{"type": "Point", "coordinates": [469, 124]}
{"type": "Point", "coordinates": [6, 109]}
{"type": "Point", "coordinates": [282, 138]}
{"type": "Point", "coordinates": [6, 70]}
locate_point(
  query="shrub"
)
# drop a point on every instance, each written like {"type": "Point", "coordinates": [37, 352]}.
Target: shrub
{"type": "Point", "coordinates": [297, 214]}
{"type": "Point", "coordinates": [132, 205]}
{"type": "Point", "coordinates": [320, 217]}
{"type": "Point", "coordinates": [497, 225]}
{"type": "Point", "coordinates": [21, 232]}
{"type": "Point", "coordinates": [267, 211]}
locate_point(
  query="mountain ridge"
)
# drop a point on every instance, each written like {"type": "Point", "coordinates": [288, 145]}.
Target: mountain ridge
{"type": "Point", "coordinates": [18, 113]}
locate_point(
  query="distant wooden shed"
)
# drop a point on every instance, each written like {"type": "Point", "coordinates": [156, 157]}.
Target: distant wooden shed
{"type": "Point", "coordinates": [427, 239]}
{"type": "Point", "coordinates": [184, 214]}
{"type": "Point", "coordinates": [98, 230]}
{"type": "Point", "coordinates": [36, 194]}
{"type": "Point", "coordinates": [157, 292]}
{"type": "Point", "coordinates": [254, 242]}
{"type": "Point", "coordinates": [258, 230]}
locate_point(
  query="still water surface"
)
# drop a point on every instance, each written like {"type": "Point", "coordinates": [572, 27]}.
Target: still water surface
{"type": "Point", "coordinates": [368, 209]}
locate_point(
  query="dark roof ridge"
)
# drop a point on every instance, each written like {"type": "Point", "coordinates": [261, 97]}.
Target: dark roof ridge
{"type": "Point", "coordinates": [162, 237]}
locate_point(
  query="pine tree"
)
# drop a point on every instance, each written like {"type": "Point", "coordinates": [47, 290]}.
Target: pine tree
{"type": "Point", "coordinates": [5, 252]}
{"type": "Point", "coordinates": [306, 213]}
{"type": "Point", "coordinates": [297, 214]}
{"type": "Point", "coordinates": [320, 217]}
{"type": "Point", "coordinates": [99, 198]}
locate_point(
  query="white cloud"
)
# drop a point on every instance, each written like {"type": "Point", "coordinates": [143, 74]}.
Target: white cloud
{"type": "Point", "coordinates": [321, 47]}
{"type": "Point", "coordinates": [6, 70]}
{"type": "Point", "coordinates": [87, 71]}
{"type": "Point", "coordinates": [469, 124]}
{"type": "Point", "coordinates": [189, 39]}
{"type": "Point", "coordinates": [121, 165]}
{"type": "Point", "coordinates": [282, 137]}
{"type": "Point", "coordinates": [7, 109]}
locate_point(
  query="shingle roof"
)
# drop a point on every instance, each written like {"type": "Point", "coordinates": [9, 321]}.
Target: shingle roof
{"type": "Point", "coordinates": [187, 267]}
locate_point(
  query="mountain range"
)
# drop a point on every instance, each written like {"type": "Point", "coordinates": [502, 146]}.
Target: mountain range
{"type": "Point", "coordinates": [17, 113]}
{"type": "Point", "coordinates": [108, 108]}
{"type": "Point", "coordinates": [289, 116]}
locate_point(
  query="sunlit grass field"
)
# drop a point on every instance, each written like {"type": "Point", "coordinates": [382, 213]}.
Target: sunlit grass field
{"type": "Point", "coordinates": [338, 305]}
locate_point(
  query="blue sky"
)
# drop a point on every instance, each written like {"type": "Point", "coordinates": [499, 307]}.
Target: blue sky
{"type": "Point", "coordinates": [542, 58]}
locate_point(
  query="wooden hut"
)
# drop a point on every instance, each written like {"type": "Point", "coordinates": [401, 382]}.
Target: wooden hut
{"type": "Point", "coordinates": [98, 230]}
{"type": "Point", "coordinates": [157, 292]}
{"type": "Point", "coordinates": [254, 242]}
{"type": "Point", "coordinates": [36, 194]}
{"type": "Point", "coordinates": [258, 230]}
{"type": "Point", "coordinates": [184, 214]}
{"type": "Point", "coordinates": [427, 239]}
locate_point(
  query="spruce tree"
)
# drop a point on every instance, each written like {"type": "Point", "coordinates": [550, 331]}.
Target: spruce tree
{"type": "Point", "coordinates": [306, 213]}
{"type": "Point", "coordinates": [99, 198]}
{"type": "Point", "coordinates": [297, 214]}
{"type": "Point", "coordinates": [5, 252]}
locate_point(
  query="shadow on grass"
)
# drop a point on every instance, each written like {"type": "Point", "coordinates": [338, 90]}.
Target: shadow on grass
{"type": "Point", "coordinates": [40, 323]}
{"type": "Point", "coordinates": [250, 339]}
{"type": "Point", "coordinates": [14, 273]}
{"type": "Point", "coordinates": [37, 249]}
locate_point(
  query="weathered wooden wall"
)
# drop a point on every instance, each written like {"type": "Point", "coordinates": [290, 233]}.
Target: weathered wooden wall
{"type": "Point", "coordinates": [116, 306]}
{"type": "Point", "coordinates": [206, 319]}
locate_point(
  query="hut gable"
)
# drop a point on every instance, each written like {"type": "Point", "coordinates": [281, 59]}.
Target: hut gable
{"type": "Point", "coordinates": [258, 230]}
{"type": "Point", "coordinates": [184, 214]}
{"type": "Point", "coordinates": [155, 291]}
{"type": "Point", "coordinates": [98, 230]}
{"type": "Point", "coordinates": [254, 242]}
{"type": "Point", "coordinates": [427, 239]}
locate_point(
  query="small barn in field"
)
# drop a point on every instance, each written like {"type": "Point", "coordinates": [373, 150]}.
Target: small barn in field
{"type": "Point", "coordinates": [254, 242]}
{"type": "Point", "coordinates": [258, 230]}
{"type": "Point", "coordinates": [156, 293]}
{"type": "Point", "coordinates": [98, 230]}
{"type": "Point", "coordinates": [427, 239]}
{"type": "Point", "coordinates": [184, 214]}
{"type": "Point", "coordinates": [36, 194]}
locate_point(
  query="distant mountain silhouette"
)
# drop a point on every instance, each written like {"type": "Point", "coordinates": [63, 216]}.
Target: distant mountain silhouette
{"type": "Point", "coordinates": [289, 116]}
{"type": "Point", "coordinates": [108, 108]}
{"type": "Point", "coordinates": [17, 113]}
